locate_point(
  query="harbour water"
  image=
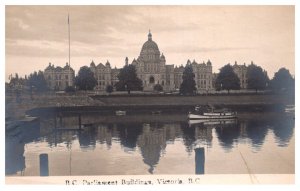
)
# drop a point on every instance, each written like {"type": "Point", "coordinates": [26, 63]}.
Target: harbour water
{"type": "Point", "coordinates": [140, 144]}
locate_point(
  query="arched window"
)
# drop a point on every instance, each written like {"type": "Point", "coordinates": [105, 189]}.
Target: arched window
{"type": "Point", "coordinates": [151, 80]}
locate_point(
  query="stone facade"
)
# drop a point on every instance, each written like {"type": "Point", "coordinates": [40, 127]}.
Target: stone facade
{"type": "Point", "coordinates": [241, 72]}
{"type": "Point", "coordinates": [59, 78]}
{"type": "Point", "coordinates": [103, 75]}
{"type": "Point", "coordinates": [203, 75]}
{"type": "Point", "coordinates": [178, 72]}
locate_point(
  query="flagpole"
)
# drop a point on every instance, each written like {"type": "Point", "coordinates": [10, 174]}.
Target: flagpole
{"type": "Point", "coordinates": [69, 51]}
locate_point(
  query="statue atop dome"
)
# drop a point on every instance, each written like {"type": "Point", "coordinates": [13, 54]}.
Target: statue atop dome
{"type": "Point", "coordinates": [149, 36]}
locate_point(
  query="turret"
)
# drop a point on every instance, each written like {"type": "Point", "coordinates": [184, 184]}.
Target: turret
{"type": "Point", "coordinates": [188, 62]}
{"type": "Point", "coordinates": [92, 64]}
{"type": "Point", "coordinates": [162, 57]}
{"type": "Point", "coordinates": [208, 63]}
{"type": "Point", "coordinates": [107, 64]}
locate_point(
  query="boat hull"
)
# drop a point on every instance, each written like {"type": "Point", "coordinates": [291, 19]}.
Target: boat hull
{"type": "Point", "coordinates": [289, 108]}
{"type": "Point", "coordinates": [212, 121]}
{"type": "Point", "coordinates": [120, 113]}
{"type": "Point", "coordinates": [228, 115]}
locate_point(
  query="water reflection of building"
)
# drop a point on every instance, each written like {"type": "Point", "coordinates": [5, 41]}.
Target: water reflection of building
{"type": "Point", "coordinates": [87, 138]}
{"type": "Point", "coordinates": [283, 129]}
{"type": "Point", "coordinates": [58, 137]}
{"type": "Point", "coordinates": [204, 135]}
{"type": "Point", "coordinates": [105, 133]}
{"type": "Point", "coordinates": [256, 131]}
{"type": "Point", "coordinates": [188, 135]}
{"type": "Point", "coordinates": [151, 143]}
{"type": "Point", "coordinates": [196, 134]}
{"type": "Point", "coordinates": [228, 135]}
{"type": "Point", "coordinates": [129, 133]}
{"type": "Point", "coordinates": [172, 131]}
{"type": "Point", "coordinates": [152, 139]}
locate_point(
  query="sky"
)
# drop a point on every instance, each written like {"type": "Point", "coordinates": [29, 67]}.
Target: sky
{"type": "Point", "coordinates": [37, 35]}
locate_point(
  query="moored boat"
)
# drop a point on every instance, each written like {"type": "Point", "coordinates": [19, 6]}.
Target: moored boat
{"type": "Point", "coordinates": [158, 112]}
{"type": "Point", "coordinates": [211, 113]}
{"type": "Point", "coordinates": [120, 112]}
{"type": "Point", "coordinates": [289, 108]}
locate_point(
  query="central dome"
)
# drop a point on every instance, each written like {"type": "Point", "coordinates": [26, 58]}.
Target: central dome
{"type": "Point", "coordinates": [150, 51]}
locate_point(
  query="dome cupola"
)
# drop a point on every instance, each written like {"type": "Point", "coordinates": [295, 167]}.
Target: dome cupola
{"type": "Point", "coordinates": [150, 51]}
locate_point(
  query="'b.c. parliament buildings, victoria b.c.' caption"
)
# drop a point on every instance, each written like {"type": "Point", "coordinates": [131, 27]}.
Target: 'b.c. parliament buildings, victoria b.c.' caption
{"type": "Point", "coordinates": [151, 68]}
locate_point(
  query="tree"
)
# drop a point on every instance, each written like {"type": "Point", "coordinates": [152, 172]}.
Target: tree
{"type": "Point", "coordinates": [109, 89]}
{"type": "Point", "coordinates": [37, 81]}
{"type": "Point", "coordinates": [188, 85]}
{"type": "Point", "coordinates": [128, 80]}
{"type": "Point", "coordinates": [283, 81]}
{"type": "Point", "coordinates": [17, 81]}
{"type": "Point", "coordinates": [158, 88]}
{"type": "Point", "coordinates": [85, 79]}
{"type": "Point", "coordinates": [256, 78]}
{"type": "Point", "coordinates": [227, 79]}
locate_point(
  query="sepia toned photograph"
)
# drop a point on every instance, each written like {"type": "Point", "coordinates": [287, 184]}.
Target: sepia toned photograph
{"type": "Point", "coordinates": [186, 93]}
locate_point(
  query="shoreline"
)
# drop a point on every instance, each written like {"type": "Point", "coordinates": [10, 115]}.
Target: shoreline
{"type": "Point", "coordinates": [142, 104]}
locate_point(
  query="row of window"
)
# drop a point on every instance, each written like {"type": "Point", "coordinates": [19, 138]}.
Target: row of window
{"type": "Point", "coordinates": [162, 82]}
{"type": "Point", "coordinates": [100, 77]}
{"type": "Point", "coordinates": [59, 84]}
{"type": "Point", "coordinates": [203, 76]}
{"type": "Point", "coordinates": [202, 82]}
{"type": "Point", "coordinates": [58, 77]}
{"type": "Point", "coordinates": [149, 67]}
{"type": "Point", "coordinates": [151, 56]}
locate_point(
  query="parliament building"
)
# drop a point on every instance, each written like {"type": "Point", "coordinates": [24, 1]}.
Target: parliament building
{"type": "Point", "coordinates": [152, 69]}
